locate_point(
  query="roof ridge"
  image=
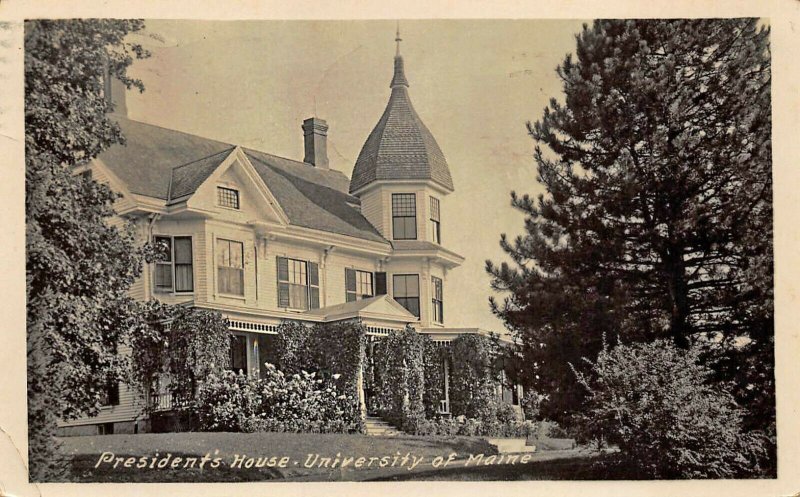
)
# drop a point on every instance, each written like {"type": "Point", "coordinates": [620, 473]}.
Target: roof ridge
{"type": "Point", "coordinates": [284, 173]}
{"type": "Point", "coordinates": [227, 150]}
{"type": "Point", "coordinates": [297, 162]}
{"type": "Point", "coordinates": [230, 146]}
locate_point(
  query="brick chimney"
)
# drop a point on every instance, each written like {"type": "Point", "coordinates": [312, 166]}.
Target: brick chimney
{"type": "Point", "coordinates": [315, 137]}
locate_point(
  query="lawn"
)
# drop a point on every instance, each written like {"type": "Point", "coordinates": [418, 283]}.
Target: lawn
{"type": "Point", "coordinates": [83, 454]}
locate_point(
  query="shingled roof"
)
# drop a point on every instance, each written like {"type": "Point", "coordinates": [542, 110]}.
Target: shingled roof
{"type": "Point", "coordinates": [400, 146]}
{"type": "Point", "coordinates": [170, 165]}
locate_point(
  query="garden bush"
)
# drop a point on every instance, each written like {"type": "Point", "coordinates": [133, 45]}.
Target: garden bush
{"type": "Point", "coordinates": [464, 426]}
{"type": "Point", "coordinates": [228, 401]}
{"type": "Point", "coordinates": [333, 351]}
{"type": "Point", "coordinates": [658, 404]}
{"type": "Point", "coordinates": [300, 402]}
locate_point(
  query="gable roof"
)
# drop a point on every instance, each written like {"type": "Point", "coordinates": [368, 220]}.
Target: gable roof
{"type": "Point", "coordinates": [150, 153]}
{"type": "Point", "coordinates": [170, 165]}
{"type": "Point", "coordinates": [313, 201]}
{"type": "Point", "coordinates": [380, 304]}
{"type": "Point", "coordinates": [400, 147]}
{"type": "Point", "coordinates": [186, 179]}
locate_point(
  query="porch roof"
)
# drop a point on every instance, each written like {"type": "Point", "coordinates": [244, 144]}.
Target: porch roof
{"type": "Point", "coordinates": [380, 307]}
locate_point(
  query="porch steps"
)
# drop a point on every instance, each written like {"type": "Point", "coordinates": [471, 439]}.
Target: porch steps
{"type": "Point", "coordinates": [376, 427]}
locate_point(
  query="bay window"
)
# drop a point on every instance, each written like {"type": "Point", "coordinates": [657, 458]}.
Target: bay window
{"type": "Point", "coordinates": [437, 300]}
{"type": "Point", "coordinates": [405, 290]}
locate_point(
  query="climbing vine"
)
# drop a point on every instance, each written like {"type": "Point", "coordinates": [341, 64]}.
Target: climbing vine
{"type": "Point", "coordinates": [398, 376]}
{"type": "Point", "coordinates": [185, 342]}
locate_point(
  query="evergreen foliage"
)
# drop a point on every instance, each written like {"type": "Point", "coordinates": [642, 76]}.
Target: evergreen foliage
{"type": "Point", "coordinates": [657, 217]}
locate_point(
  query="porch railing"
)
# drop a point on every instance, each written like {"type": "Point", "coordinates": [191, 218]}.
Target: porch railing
{"type": "Point", "coordinates": [166, 401]}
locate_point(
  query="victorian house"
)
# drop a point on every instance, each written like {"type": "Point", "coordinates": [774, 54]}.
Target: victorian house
{"type": "Point", "coordinates": [262, 238]}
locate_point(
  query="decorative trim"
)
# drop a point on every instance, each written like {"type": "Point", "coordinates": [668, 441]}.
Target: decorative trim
{"type": "Point", "coordinates": [238, 325]}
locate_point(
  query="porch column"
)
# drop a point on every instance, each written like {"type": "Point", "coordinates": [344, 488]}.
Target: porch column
{"type": "Point", "coordinates": [362, 400]}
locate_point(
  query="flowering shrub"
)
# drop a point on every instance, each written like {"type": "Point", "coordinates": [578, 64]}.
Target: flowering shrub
{"type": "Point", "coordinates": [227, 401]}
{"type": "Point", "coordinates": [300, 402]}
{"type": "Point", "coordinates": [333, 351]}
{"type": "Point", "coordinates": [656, 403]}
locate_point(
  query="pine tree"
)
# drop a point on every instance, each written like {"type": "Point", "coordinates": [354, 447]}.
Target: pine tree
{"type": "Point", "coordinates": [78, 267]}
{"type": "Point", "coordinates": [657, 217]}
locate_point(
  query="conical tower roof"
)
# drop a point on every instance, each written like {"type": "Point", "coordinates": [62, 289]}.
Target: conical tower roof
{"type": "Point", "coordinates": [400, 146]}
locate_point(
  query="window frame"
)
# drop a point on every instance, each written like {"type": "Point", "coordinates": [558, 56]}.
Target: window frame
{"type": "Point", "coordinates": [173, 265]}
{"type": "Point", "coordinates": [355, 294]}
{"type": "Point", "coordinates": [224, 192]}
{"type": "Point", "coordinates": [435, 217]}
{"type": "Point", "coordinates": [217, 266]}
{"type": "Point", "coordinates": [437, 299]}
{"type": "Point", "coordinates": [401, 299]}
{"type": "Point", "coordinates": [398, 214]}
{"type": "Point", "coordinates": [312, 289]}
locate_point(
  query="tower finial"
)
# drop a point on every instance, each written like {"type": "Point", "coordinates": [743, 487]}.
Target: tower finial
{"type": "Point", "coordinates": [398, 39]}
{"type": "Point", "coordinates": [399, 78]}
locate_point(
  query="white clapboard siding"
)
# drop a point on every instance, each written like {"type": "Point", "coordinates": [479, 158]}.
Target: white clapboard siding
{"type": "Point", "coordinates": [129, 407]}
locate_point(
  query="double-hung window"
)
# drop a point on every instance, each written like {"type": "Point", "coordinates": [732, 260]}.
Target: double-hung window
{"type": "Point", "coordinates": [436, 226]}
{"type": "Point", "coordinates": [230, 267]}
{"type": "Point", "coordinates": [109, 396]}
{"type": "Point", "coordinates": [298, 284]}
{"type": "Point", "coordinates": [405, 290]}
{"type": "Point", "coordinates": [358, 285]}
{"type": "Point", "coordinates": [404, 216]}
{"type": "Point", "coordinates": [173, 270]}
{"type": "Point", "coordinates": [437, 300]}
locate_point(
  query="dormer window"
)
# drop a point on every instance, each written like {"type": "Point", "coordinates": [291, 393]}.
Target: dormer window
{"type": "Point", "coordinates": [227, 197]}
{"type": "Point", "coordinates": [436, 226]}
{"type": "Point", "coordinates": [404, 216]}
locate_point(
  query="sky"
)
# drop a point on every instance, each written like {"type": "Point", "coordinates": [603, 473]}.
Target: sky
{"type": "Point", "coordinates": [474, 83]}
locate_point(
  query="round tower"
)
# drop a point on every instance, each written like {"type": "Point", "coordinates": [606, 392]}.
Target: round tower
{"type": "Point", "coordinates": [402, 178]}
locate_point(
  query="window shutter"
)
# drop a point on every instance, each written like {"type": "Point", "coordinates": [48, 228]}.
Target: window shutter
{"type": "Point", "coordinates": [380, 283]}
{"type": "Point", "coordinates": [313, 285]}
{"type": "Point", "coordinates": [313, 274]}
{"type": "Point", "coordinates": [349, 284]}
{"type": "Point", "coordinates": [283, 269]}
{"type": "Point", "coordinates": [283, 282]}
